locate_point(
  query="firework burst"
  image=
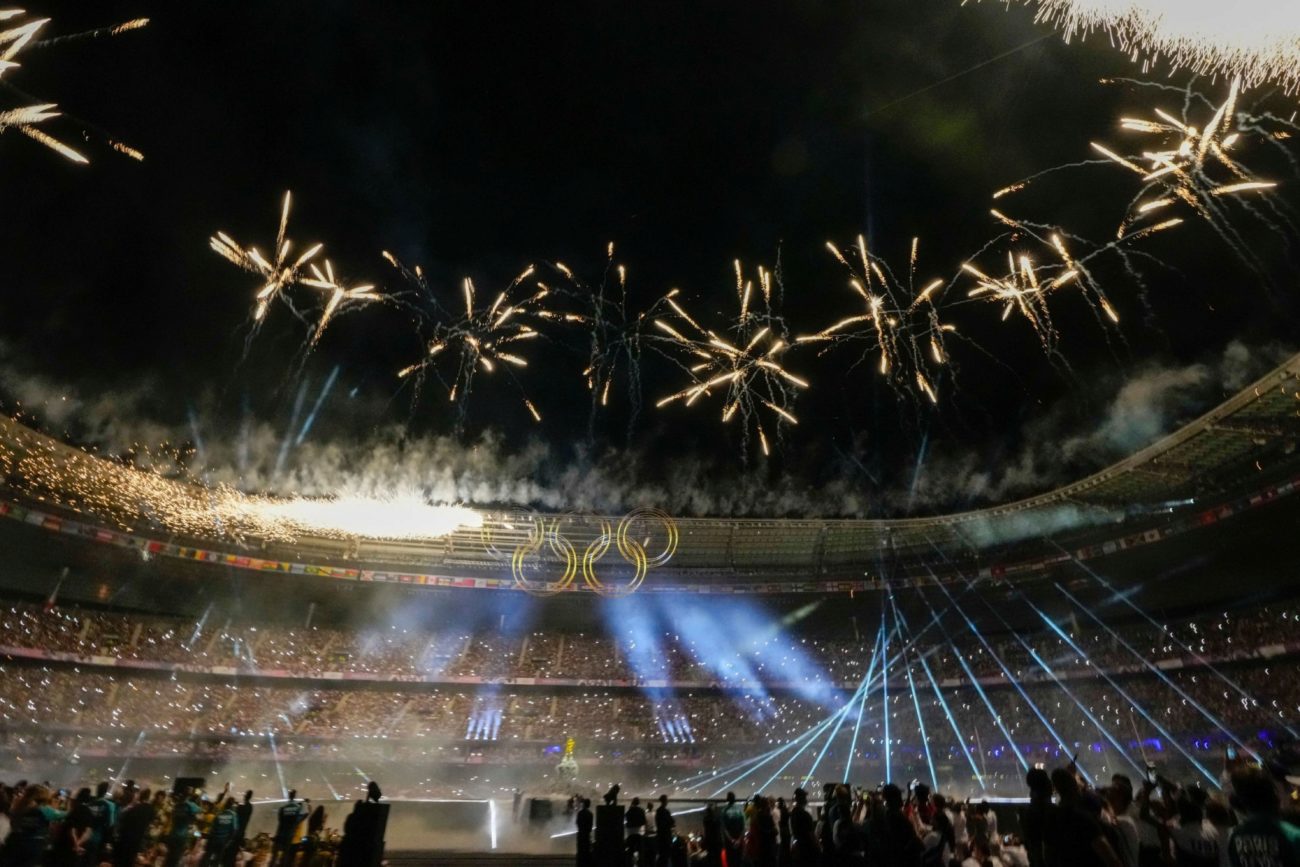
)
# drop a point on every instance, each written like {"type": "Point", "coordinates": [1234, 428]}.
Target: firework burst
{"type": "Point", "coordinates": [338, 296]}
{"type": "Point", "coordinates": [1191, 165]}
{"type": "Point", "coordinates": [482, 338]}
{"type": "Point", "coordinates": [744, 366]}
{"type": "Point", "coordinates": [19, 36]}
{"type": "Point", "coordinates": [282, 270]}
{"type": "Point", "coordinates": [13, 40]}
{"type": "Point", "coordinates": [899, 323]}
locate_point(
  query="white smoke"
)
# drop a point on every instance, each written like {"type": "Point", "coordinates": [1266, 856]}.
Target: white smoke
{"type": "Point", "coordinates": [261, 457]}
{"type": "Point", "coordinates": [1149, 404]}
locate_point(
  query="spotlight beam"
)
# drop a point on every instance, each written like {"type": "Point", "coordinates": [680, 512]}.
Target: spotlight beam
{"type": "Point", "coordinates": [809, 736]}
{"type": "Point", "coordinates": [279, 770]}
{"type": "Point", "coordinates": [947, 712]}
{"type": "Point", "coordinates": [916, 703]}
{"type": "Point", "coordinates": [841, 715]}
{"type": "Point", "coordinates": [884, 706]}
{"type": "Point", "coordinates": [1010, 677]}
{"type": "Point", "coordinates": [1132, 702]}
{"type": "Point", "coordinates": [979, 690]}
{"type": "Point", "coordinates": [1200, 660]}
{"type": "Point", "coordinates": [853, 746]}
{"type": "Point", "coordinates": [1101, 728]}
{"type": "Point", "coordinates": [1033, 653]}
{"type": "Point", "coordinates": [763, 759]}
{"type": "Point", "coordinates": [1213, 720]}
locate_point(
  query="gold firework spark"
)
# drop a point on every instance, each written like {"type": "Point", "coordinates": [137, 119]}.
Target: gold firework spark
{"type": "Point", "coordinates": [485, 338]}
{"type": "Point", "coordinates": [1025, 287]}
{"type": "Point", "coordinates": [13, 40]}
{"type": "Point", "coordinates": [614, 332]}
{"type": "Point", "coordinates": [744, 365]}
{"type": "Point", "coordinates": [339, 296]}
{"type": "Point", "coordinates": [1191, 164]}
{"type": "Point", "coordinates": [278, 273]}
{"type": "Point", "coordinates": [134, 498]}
{"type": "Point", "coordinates": [899, 323]}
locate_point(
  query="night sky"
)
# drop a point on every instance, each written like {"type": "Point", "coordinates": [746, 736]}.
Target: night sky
{"type": "Point", "coordinates": [475, 138]}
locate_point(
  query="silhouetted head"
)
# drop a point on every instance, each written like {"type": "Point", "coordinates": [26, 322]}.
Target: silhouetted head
{"type": "Point", "coordinates": [1119, 797]}
{"type": "Point", "coordinates": [1066, 785]}
{"type": "Point", "coordinates": [1254, 791]}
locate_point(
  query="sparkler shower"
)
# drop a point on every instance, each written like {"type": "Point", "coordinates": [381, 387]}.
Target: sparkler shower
{"type": "Point", "coordinates": [1257, 41]}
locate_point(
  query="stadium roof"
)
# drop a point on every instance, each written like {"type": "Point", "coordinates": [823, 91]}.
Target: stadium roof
{"type": "Point", "coordinates": [1240, 454]}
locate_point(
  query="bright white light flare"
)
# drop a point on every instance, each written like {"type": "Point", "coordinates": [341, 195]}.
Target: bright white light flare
{"type": "Point", "coordinates": [401, 516]}
{"type": "Point", "coordinates": [1255, 40]}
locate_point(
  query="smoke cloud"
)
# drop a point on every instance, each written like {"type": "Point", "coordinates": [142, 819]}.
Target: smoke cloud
{"type": "Point", "coordinates": [1057, 447]}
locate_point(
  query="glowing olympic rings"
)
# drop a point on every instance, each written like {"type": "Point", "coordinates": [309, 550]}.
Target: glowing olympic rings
{"type": "Point", "coordinates": [546, 532]}
{"type": "Point", "coordinates": [562, 548]}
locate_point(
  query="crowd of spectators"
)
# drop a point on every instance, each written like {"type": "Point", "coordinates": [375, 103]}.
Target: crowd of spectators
{"type": "Point", "coordinates": [1067, 822]}
{"type": "Point", "coordinates": [1189, 713]}
{"type": "Point", "coordinates": [388, 652]}
{"type": "Point", "coordinates": [1239, 688]}
{"type": "Point", "coordinates": [132, 826]}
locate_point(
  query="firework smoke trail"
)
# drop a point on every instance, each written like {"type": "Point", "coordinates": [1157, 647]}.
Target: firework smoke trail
{"type": "Point", "coordinates": [1257, 41]}
{"type": "Point", "coordinates": [614, 335]}
{"type": "Point", "coordinates": [96, 33]}
{"type": "Point", "coordinates": [483, 339]}
{"type": "Point", "coordinates": [899, 323]}
{"type": "Point", "coordinates": [746, 369]}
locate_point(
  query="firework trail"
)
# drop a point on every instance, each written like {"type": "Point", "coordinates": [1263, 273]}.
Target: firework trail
{"type": "Point", "coordinates": [898, 323]}
{"type": "Point", "coordinates": [614, 335]}
{"type": "Point", "coordinates": [1257, 41]}
{"type": "Point", "coordinates": [745, 366]}
{"type": "Point", "coordinates": [482, 339]}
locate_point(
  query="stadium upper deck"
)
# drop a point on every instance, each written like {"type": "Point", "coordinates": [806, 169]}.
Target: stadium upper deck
{"type": "Point", "coordinates": [1240, 455]}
